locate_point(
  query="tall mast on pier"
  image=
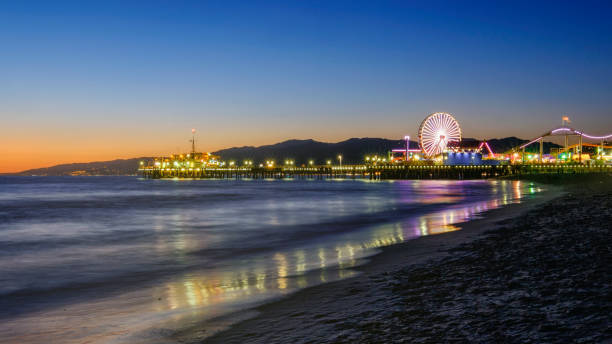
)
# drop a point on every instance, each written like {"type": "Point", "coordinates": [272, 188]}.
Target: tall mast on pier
{"type": "Point", "coordinates": [193, 141]}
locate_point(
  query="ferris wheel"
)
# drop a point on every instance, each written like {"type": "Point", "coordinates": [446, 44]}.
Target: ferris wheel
{"type": "Point", "coordinates": [436, 131]}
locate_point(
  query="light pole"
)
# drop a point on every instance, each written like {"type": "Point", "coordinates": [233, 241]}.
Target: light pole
{"type": "Point", "coordinates": [407, 138]}
{"type": "Point", "coordinates": [340, 159]}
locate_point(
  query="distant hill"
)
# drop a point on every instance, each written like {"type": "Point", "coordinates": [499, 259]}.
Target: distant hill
{"type": "Point", "coordinates": [301, 151]}
{"type": "Point", "coordinates": [99, 168]}
{"type": "Point", "coordinates": [352, 150]}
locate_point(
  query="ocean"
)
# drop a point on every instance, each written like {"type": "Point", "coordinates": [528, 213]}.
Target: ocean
{"type": "Point", "coordinates": [129, 260]}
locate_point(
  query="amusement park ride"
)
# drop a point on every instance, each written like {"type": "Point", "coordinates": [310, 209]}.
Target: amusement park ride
{"type": "Point", "coordinates": [571, 152]}
{"type": "Point", "coordinates": [438, 134]}
{"type": "Point", "coordinates": [439, 139]}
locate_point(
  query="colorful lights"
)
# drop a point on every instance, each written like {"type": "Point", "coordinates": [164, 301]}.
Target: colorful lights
{"type": "Point", "coordinates": [532, 141]}
{"type": "Point", "coordinates": [486, 144]}
{"type": "Point", "coordinates": [570, 130]}
{"type": "Point", "coordinates": [436, 131]}
{"type": "Point", "coordinates": [397, 150]}
{"type": "Point", "coordinates": [375, 159]}
{"type": "Point", "coordinates": [581, 133]}
{"type": "Point", "coordinates": [195, 163]}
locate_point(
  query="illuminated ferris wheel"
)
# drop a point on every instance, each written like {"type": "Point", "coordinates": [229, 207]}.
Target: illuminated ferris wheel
{"type": "Point", "coordinates": [436, 131]}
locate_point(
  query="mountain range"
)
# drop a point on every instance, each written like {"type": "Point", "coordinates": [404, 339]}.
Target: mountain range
{"type": "Point", "coordinates": [352, 150]}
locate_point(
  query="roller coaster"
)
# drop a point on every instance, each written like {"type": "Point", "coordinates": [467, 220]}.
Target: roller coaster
{"type": "Point", "coordinates": [567, 133]}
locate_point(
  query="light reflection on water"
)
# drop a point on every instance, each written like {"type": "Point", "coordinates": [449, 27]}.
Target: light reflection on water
{"type": "Point", "coordinates": [344, 255]}
{"type": "Point", "coordinates": [229, 259]}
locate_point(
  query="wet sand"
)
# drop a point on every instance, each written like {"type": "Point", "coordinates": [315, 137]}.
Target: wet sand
{"type": "Point", "coordinates": [532, 272]}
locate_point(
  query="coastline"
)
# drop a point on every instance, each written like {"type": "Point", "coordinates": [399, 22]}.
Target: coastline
{"type": "Point", "coordinates": [317, 313]}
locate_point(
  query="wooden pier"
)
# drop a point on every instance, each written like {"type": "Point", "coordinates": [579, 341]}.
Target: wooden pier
{"type": "Point", "coordinates": [373, 172]}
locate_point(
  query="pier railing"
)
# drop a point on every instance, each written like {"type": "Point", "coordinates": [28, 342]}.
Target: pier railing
{"type": "Point", "coordinates": [373, 172]}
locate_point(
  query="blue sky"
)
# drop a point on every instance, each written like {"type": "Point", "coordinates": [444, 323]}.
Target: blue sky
{"type": "Point", "coordinates": [132, 78]}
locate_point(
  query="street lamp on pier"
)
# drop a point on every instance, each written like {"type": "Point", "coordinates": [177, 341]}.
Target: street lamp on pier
{"type": "Point", "coordinates": [407, 138]}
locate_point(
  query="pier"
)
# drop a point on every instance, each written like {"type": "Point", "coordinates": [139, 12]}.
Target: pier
{"type": "Point", "coordinates": [441, 155]}
{"type": "Point", "coordinates": [373, 172]}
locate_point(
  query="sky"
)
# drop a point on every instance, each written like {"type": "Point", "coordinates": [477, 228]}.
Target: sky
{"type": "Point", "coordinates": [98, 80]}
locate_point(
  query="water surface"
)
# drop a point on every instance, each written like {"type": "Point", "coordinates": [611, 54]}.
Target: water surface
{"type": "Point", "coordinates": [125, 260]}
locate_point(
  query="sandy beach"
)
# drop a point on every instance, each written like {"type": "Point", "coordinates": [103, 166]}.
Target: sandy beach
{"type": "Point", "coordinates": [532, 272]}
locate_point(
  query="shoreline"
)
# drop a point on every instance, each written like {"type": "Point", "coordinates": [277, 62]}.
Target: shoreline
{"type": "Point", "coordinates": [284, 312]}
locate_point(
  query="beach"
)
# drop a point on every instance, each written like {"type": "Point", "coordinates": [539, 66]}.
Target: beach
{"type": "Point", "coordinates": [532, 272]}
